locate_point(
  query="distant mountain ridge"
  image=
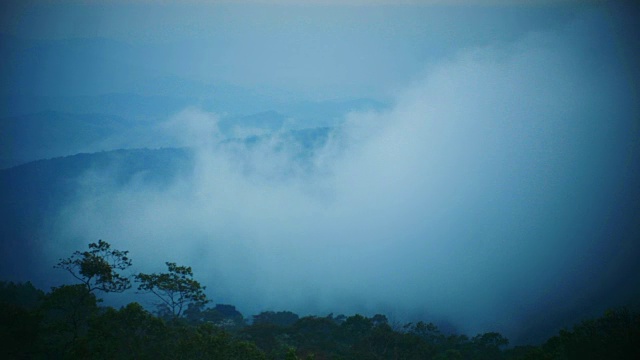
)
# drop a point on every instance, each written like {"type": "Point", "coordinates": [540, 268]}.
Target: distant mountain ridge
{"type": "Point", "coordinates": [50, 134]}
{"type": "Point", "coordinates": [31, 193]}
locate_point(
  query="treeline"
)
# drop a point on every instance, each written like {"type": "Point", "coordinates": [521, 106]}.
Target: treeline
{"type": "Point", "coordinates": [68, 322]}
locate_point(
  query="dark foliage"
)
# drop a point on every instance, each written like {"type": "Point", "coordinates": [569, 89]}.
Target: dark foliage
{"type": "Point", "coordinates": [99, 268]}
{"type": "Point", "coordinates": [280, 318]}
{"type": "Point", "coordinates": [176, 289]}
{"type": "Point", "coordinates": [67, 323]}
{"type": "Point", "coordinates": [616, 335]}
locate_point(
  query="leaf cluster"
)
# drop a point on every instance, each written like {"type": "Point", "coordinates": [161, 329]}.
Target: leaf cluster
{"type": "Point", "coordinates": [176, 289]}
{"type": "Point", "coordinates": [99, 268]}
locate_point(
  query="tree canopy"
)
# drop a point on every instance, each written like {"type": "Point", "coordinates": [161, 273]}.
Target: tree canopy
{"type": "Point", "coordinates": [176, 289]}
{"type": "Point", "coordinates": [100, 268]}
{"type": "Point", "coordinates": [68, 323]}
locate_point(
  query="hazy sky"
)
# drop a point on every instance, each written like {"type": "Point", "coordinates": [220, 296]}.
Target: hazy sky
{"type": "Point", "coordinates": [501, 184]}
{"type": "Point", "coordinates": [317, 49]}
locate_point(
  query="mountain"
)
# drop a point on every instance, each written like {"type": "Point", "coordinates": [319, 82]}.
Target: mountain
{"type": "Point", "coordinates": [46, 127]}
{"type": "Point", "coordinates": [95, 75]}
{"type": "Point", "coordinates": [32, 192]}
{"type": "Point", "coordinates": [254, 124]}
{"type": "Point", "coordinates": [52, 134]}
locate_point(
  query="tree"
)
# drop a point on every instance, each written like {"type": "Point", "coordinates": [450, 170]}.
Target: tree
{"type": "Point", "coordinates": [280, 318]}
{"type": "Point", "coordinates": [616, 335]}
{"type": "Point", "coordinates": [428, 332]}
{"type": "Point", "coordinates": [19, 322]}
{"type": "Point", "coordinates": [99, 268]}
{"type": "Point", "coordinates": [66, 312]}
{"type": "Point", "coordinates": [176, 289]}
{"type": "Point", "coordinates": [356, 327]}
{"type": "Point", "coordinates": [487, 346]}
{"type": "Point", "coordinates": [128, 333]}
{"type": "Point", "coordinates": [222, 316]}
{"type": "Point", "coordinates": [315, 335]}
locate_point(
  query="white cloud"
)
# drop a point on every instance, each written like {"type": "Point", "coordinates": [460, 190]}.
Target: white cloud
{"type": "Point", "coordinates": [483, 192]}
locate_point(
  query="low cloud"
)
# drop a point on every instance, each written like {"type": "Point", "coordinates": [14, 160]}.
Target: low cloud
{"type": "Point", "coordinates": [499, 184]}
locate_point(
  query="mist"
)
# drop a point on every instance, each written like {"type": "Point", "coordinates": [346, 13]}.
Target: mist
{"type": "Point", "coordinates": [501, 184]}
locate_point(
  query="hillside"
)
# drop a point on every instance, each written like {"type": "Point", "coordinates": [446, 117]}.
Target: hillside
{"type": "Point", "coordinates": [32, 194]}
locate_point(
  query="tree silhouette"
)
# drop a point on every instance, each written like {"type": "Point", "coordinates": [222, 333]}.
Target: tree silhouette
{"type": "Point", "coordinates": [176, 289]}
{"type": "Point", "coordinates": [99, 268]}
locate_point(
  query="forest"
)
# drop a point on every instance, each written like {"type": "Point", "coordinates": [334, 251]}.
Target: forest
{"type": "Point", "coordinates": [70, 322]}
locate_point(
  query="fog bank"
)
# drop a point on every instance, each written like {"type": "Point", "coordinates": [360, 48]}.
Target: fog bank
{"type": "Point", "coordinates": [502, 184]}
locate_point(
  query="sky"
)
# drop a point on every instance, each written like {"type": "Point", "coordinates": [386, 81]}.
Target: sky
{"type": "Point", "coordinates": [317, 50]}
{"type": "Point", "coordinates": [500, 184]}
